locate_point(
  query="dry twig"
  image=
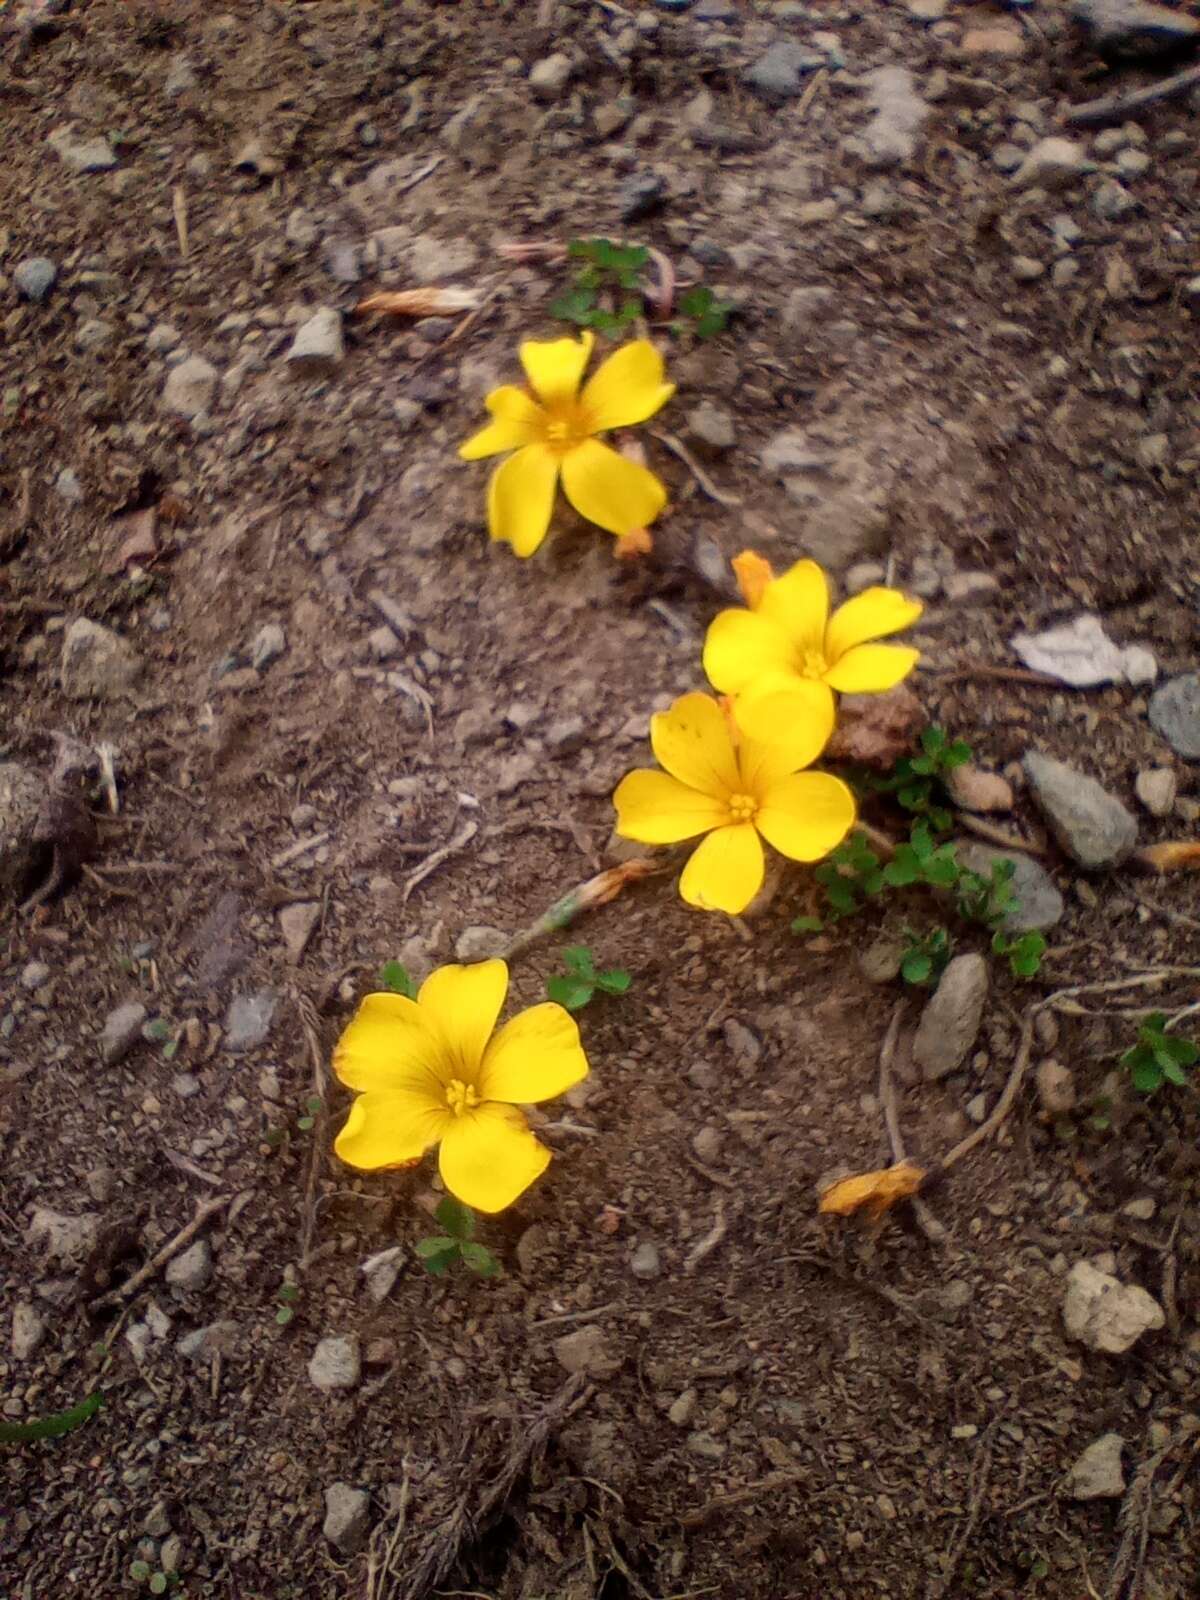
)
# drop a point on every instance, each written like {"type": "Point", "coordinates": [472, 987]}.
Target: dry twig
{"type": "Point", "coordinates": [995, 835]}
{"type": "Point", "coordinates": [205, 1212]}
{"type": "Point", "coordinates": [459, 842]}
{"type": "Point", "coordinates": [705, 1247]}
{"type": "Point", "coordinates": [981, 1467]}
{"type": "Point", "coordinates": [1125, 1574]}
{"type": "Point", "coordinates": [678, 448]}
{"type": "Point", "coordinates": [1116, 107]}
{"type": "Point", "coordinates": [316, 1059]}
{"type": "Point", "coordinates": [926, 1221]}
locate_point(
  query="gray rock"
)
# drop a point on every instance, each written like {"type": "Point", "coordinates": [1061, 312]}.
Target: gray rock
{"type": "Point", "coordinates": [1156, 788]}
{"type": "Point", "coordinates": [1039, 903]}
{"type": "Point", "coordinates": [1135, 30]}
{"type": "Point", "coordinates": [122, 1030]}
{"type": "Point", "coordinates": [645, 1261]}
{"type": "Point", "coordinates": [640, 195]}
{"type": "Point", "coordinates": [319, 344]}
{"type": "Point", "coordinates": [68, 487]}
{"type": "Point", "coordinates": [1081, 654]}
{"type": "Point", "coordinates": [336, 1363]}
{"type": "Point", "coordinates": [217, 1338]}
{"type": "Point", "coordinates": [1091, 825]}
{"type": "Point", "coordinates": [1175, 714]}
{"type": "Point", "coordinates": [1105, 1314]}
{"type": "Point", "coordinates": [1097, 1474]}
{"type": "Point", "coordinates": [96, 664]}
{"type": "Point", "coordinates": [34, 974]}
{"type": "Point", "coordinates": [950, 1022]}
{"type": "Point", "coordinates": [162, 338]}
{"type": "Point", "coordinates": [1133, 163]}
{"type": "Point", "coordinates": [433, 260]}
{"type": "Point", "coordinates": [248, 1019]}
{"type": "Point", "coordinates": [779, 74]}
{"type": "Point", "coordinates": [807, 308]}
{"type": "Point", "coordinates": [586, 1350]}
{"type": "Point", "coordinates": [1052, 163]}
{"type": "Point", "coordinates": [550, 76]}
{"type": "Point", "coordinates": [190, 387]}
{"type": "Point", "coordinates": [267, 645]}
{"type": "Point", "coordinates": [35, 277]}
{"type": "Point", "coordinates": [880, 961]}
{"type": "Point", "coordinates": [890, 138]}
{"type": "Point", "coordinates": [1112, 201]}
{"type": "Point", "coordinates": [1007, 157]}
{"type": "Point", "coordinates": [81, 155]}
{"type": "Point", "coordinates": [192, 1269]}
{"type": "Point", "coordinates": [180, 77]}
{"type": "Point", "coordinates": [1027, 269]}
{"type": "Point", "coordinates": [28, 1330]}
{"type": "Point", "coordinates": [62, 1238]}
{"type": "Point", "coordinates": [93, 334]}
{"type": "Point", "coordinates": [715, 11]}
{"type": "Point", "coordinates": [343, 260]}
{"type": "Point", "coordinates": [301, 228]}
{"type": "Point", "coordinates": [480, 943]}
{"type": "Point", "coordinates": [347, 1512]}
{"type": "Point", "coordinates": [711, 426]}
{"type": "Point", "coordinates": [21, 795]}
{"type": "Point", "coordinates": [296, 924]}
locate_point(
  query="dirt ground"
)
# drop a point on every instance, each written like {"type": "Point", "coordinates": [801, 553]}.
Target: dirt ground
{"type": "Point", "coordinates": [772, 1406]}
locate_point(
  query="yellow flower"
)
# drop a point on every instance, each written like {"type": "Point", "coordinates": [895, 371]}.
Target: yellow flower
{"type": "Point", "coordinates": [554, 431]}
{"type": "Point", "coordinates": [786, 651]}
{"type": "Point", "coordinates": [434, 1071]}
{"type": "Point", "coordinates": [732, 793]}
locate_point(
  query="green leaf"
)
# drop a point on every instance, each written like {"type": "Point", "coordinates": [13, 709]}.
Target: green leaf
{"type": "Point", "coordinates": [903, 869]}
{"type": "Point", "coordinates": [159, 1030]}
{"type": "Point", "coordinates": [313, 1104]}
{"type": "Point", "coordinates": [289, 1293]}
{"type": "Point", "coordinates": [807, 925]}
{"type": "Point", "coordinates": [1181, 1050]}
{"type": "Point", "coordinates": [696, 302]}
{"type": "Point", "coordinates": [573, 993]}
{"type": "Point", "coordinates": [481, 1260]}
{"type": "Point", "coordinates": [1146, 1074]}
{"type": "Point", "coordinates": [170, 1049]}
{"type": "Point", "coordinates": [158, 1583]}
{"type": "Point", "coordinates": [440, 1262]}
{"type": "Point", "coordinates": [1173, 1072]}
{"type": "Point", "coordinates": [52, 1427]}
{"type": "Point", "coordinates": [575, 305]}
{"type": "Point", "coordinates": [305, 1123]}
{"type": "Point", "coordinates": [395, 976]}
{"type": "Point", "coordinates": [957, 755]}
{"type": "Point", "coordinates": [916, 967]}
{"type": "Point", "coordinates": [841, 898]}
{"type": "Point", "coordinates": [941, 872]}
{"type": "Point", "coordinates": [914, 796]}
{"type": "Point", "coordinates": [580, 249]}
{"type": "Point", "coordinates": [578, 959]}
{"type": "Point", "coordinates": [139, 1571]}
{"type": "Point", "coordinates": [630, 310]}
{"type": "Point", "coordinates": [457, 1219]}
{"type": "Point", "coordinates": [615, 981]}
{"type": "Point", "coordinates": [923, 766]}
{"type": "Point", "coordinates": [1154, 1023]}
{"type": "Point", "coordinates": [933, 740]}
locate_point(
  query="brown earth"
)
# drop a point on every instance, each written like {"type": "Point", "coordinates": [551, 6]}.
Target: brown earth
{"type": "Point", "coordinates": [780, 1407]}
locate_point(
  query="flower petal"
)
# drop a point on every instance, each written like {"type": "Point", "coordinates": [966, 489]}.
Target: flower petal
{"type": "Point", "coordinates": [616, 494]}
{"type": "Point", "coordinates": [535, 1056]}
{"type": "Point", "coordinates": [871, 668]}
{"type": "Point", "coordinates": [873, 614]}
{"type": "Point", "coordinates": [741, 646]}
{"type": "Point", "coordinates": [627, 388]}
{"type": "Point", "coordinates": [806, 815]}
{"type": "Point", "coordinates": [388, 1046]}
{"type": "Point", "coordinates": [693, 742]}
{"type": "Point", "coordinates": [753, 573]}
{"type": "Point", "coordinates": [521, 498]}
{"type": "Point", "coordinates": [799, 602]}
{"type": "Point", "coordinates": [517, 419]}
{"type": "Point", "coordinates": [800, 727]}
{"type": "Point", "coordinates": [725, 871]}
{"type": "Point", "coordinates": [489, 1157]}
{"type": "Point", "coordinates": [390, 1130]}
{"type": "Point", "coordinates": [781, 700]}
{"type": "Point", "coordinates": [555, 367]}
{"type": "Point", "coordinates": [461, 1005]}
{"type": "Point", "coordinates": [655, 808]}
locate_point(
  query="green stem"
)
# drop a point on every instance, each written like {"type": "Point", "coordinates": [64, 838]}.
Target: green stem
{"type": "Point", "coordinates": [51, 1427]}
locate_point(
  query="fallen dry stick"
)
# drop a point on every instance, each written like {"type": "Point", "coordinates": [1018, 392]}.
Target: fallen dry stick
{"type": "Point", "coordinates": [1116, 107]}
{"type": "Point", "coordinates": [204, 1214]}
{"type": "Point", "coordinates": [459, 842]}
{"type": "Point", "coordinates": [317, 1141]}
{"type": "Point", "coordinates": [997, 835]}
{"type": "Point", "coordinates": [705, 1247]}
{"type": "Point", "coordinates": [676, 447]}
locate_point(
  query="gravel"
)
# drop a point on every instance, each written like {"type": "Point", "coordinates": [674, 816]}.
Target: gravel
{"type": "Point", "coordinates": [641, 195]}
{"type": "Point", "coordinates": [122, 1030]}
{"type": "Point", "coordinates": [28, 1330]}
{"type": "Point", "coordinates": [21, 795]}
{"type": "Point", "coordinates": [1097, 1473]}
{"type": "Point", "coordinates": [336, 1363]}
{"type": "Point", "coordinates": [189, 387]}
{"type": "Point", "coordinates": [1091, 825]}
{"type": "Point", "coordinates": [96, 664]}
{"type": "Point", "coordinates": [586, 1350]}
{"type": "Point", "coordinates": [1175, 714]}
{"type": "Point", "coordinates": [951, 1019]}
{"type": "Point", "coordinates": [319, 344]}
{"type": "Point", "coordinates": [550, 76]}
{"type": "Point", "coordinates": [35, 277]}
{"type": "Point", "coordinates": [192, 1268]}
{"type": "Point", "coordinates": [779, 74]}
{"type": "Point", "coordinates": [1105, 1314]}
{"type": "Point", "coordinates": [248, 1019]}
{"type": "Point", "coordinates": [347, 1515]}
{"type": "Point", "coordinates": [81, 155]}
{"type": "Point", "coordinates": [1156, 788]}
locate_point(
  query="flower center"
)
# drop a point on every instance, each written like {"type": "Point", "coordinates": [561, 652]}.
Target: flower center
{"type": "Point", "coordinates": [461, 1096]}
{"type": "Point", "coordinates": [742, 808]}
{"type": "Point", "coordinates": [812, 664]}
{"type": "Point", "coordinates": [566, 426]}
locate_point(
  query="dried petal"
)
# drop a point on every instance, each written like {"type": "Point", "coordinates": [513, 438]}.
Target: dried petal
{"type": "Point", "coordinates": [872, 1192]}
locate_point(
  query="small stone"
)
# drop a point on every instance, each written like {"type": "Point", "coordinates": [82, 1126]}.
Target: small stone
{"type": "Point", "coordinates": [347, 1513]}
{"type": "Point", "coordinates": [715, 11]}
{"type": "Point", "coordinates": [976, 790]}
{"type": "Point", "coordinates": [301, 228]}
{"type": "Point", "coordinates": [81, 155]}
{"type": "Point", "coordinates": [610, 117]}
{"type": "Point", "coordinates": [1105, 1314]}
{"type": "Point", "coordinates": [336, 1363]}
{"type": "Point", "coordinates": [217, 1338]}
{"type": "Point", "coordinates": [586, 1351]}
{"type": "Point", "coordinates": [22, 794]}
{"type": "Point", "coordinates": [34, 974]}
{"type": "Point", "coordinates": [927, 10]}
{"type": "Point", "coordinates": [435, 260]}
{"type": "Point", "coordinates": [951, 1019]}
{"type": "Point", "coordinates": [343, 260]}
{"type": "Point", "coordinates": [976, 1109]}
{"type": "Point", "coordinates": [1133, 163]}
{"type": "Point", "coordinates": [319, 344]}
{"type": "Point", "coordinates": [743, 1045]}
{"type": "Point", "coordinates": [93, 334]}
{"type": "Point", "coordinates": [1052, 164]}
{"type": "Point", "coordinates": [1135, 30]}
{"type": "Point", "coordinates": [1156, 788]}
{"type": "Point", "coordinates": [35, 277]}
{"type": "Point", "coordinates": [645, 1261]}
{"type": "Point", "coordinates": [1142, 1209]}
{"type": "Point", "coordinates": [706, 1444]}
{"type": "Point", "coordinates": [162, 338]}
{"type": "Point", "coordinates": [96, 664]}
{"type": "Point", "coordinates": [641, 194]}
{"type": "Point", "coordinates": [1175, 714]}
{"type": "Point", "coordinates": [190, 387]}
{"type": "Point", "coordinates": [806, 308]}
{"type": "Point", "coordinates": [192, 1269]}
{"type": "Point", "coordinates": [62, 1238]}
{"type": "Point", "coordinates": [1026, 269]}
{"type": "Point", "coordinates": [707, 1144]}
{"type": "Point", "coordinates": [296, 924]}
{"type": "Point", "coordinates": [170, 1553]}
{"type": "Point", "coordinates": [890, 138]}
{"type": "Point", "coordinates": [1112, 201]}
{"type": "Point", "coordinates": [1056, 1088]}
{"type": "Point", "coordinates": [863, 575]}
{"type": "Point", "coordinates": [683, 1409]}
{"type": "Point", "coordinates": [122, 1030]}
{"type": "Point", "coordinates": [880, 961]}
{"type": "Point", "coordinates": [1091, 825]}
{"type": "Point", "coordinates": [1007, 157]}
{"type": "Point", "coordinates": [711, 426]}
{"type": "Point", "coordinates": [550, 76]}
{"type": "Point", "coordinates": [158, 1521]}
{"type": "Point", "coordinates": [248, 1019]}
{"type": "Point", "coordinates": [267, 645]}
{"type": "Point", "coordinates": [779, 74]}
{"type": "Point", "coordinates": [28, 1330]}
{"type": "Point", "coordinates": [480, 943]}
{"type": "Point", "coordinates": [180, 77]}
{"type": "Point", "coordinates": [1097, 1474]}
{"type": "Point", "coordinates": [992, 42]}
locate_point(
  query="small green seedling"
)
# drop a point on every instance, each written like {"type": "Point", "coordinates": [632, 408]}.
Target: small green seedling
{"type": "Point", "coordinates": [288, 1298]}
{"type": "Point", "coordinates": [919, 781]}
{"type": "Point", "coordinates": [708, 315]}
{"type": "Point", "coordinates": [848, 877]}
{"type": "Point", "coordinates": [1024, 953]}
{"type": "Point", "coordinates": [156, 1582]}
{"type": "Point", "coordinates": [395, 977]}
{"type": "Point", "coordinates": [605, 294]}
{"type": "Point", "coordinates": [158, 1031]}
{"type": "Point", "coordinates": [925, 958]}
{"type": "Point", "coordinates": [313, 1107]}
{"type": "Point", "coordinates": [576, 989]}
{"type": "Point", "coordinates": [922, 861]}
{"type": "Point", "coordinates": [52, 1427]}
{"type": "Point", "coordinates": [1158, 1057]}
{"type": "Point", "coordinates": [439, 1252]}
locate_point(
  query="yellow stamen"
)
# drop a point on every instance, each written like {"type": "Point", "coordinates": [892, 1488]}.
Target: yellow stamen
{"type": "Point", "coordinates": [461, 1096]}
{"type": "Point", "coordinates": [813, 664]}
{"type": "Point", "coordinates": [566, 427]}
{"type": "Point", "coordinates": [742, 808]}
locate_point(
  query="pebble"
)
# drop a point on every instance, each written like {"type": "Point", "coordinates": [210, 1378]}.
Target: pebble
{"type": "Point", "coordinates": [807, 307]}
{"type": "Point", "coordinates": [743, 1045]}
{"type": "Point", "coordinates": [347, 1514]}
{"type": "Point", "coordinates": [1097, 1473]}
{"type": "Point", "coordinates": [1135, 30]}
{"type": "Point", "coordinates": [21, 796]}
{"type": "Point", "coordinates": [976, 1109]}
{"type": "Point", "coordinates": [34, 974]}
{"type": "Point", "coordinates": [248, 1019]}
{"type": "Point", "coordinates": [180, 77]}
{"type": "Point", "coordinates": [61, 1237]}
{"type": "Point", "coordinates": [1175, 714]}
{"type": "Point", "coordinates": [122, 1030]}
{"type": "Point", "coordinates": [683, 1408]}
{"type": "Point", "coordinates": [645, 1261]}
{"type": "Point", "coordinates": [81, 155]}
{"type": "Point", "coordinates": [586, 1351]}
{"type": "Point", "coordinates": [336, 1363]}
{"type": "Point", "coordinates": [1156, 788]}
{"type": "Point", "coordinates": [1056, 1088]}
{"type": "Point", "coordinates": [192, 1268]}
{"type": "Point", "coordinates": [267, 645]}
{"type": "Point", "coordinates": [550, 76]}
{"type": "Point", "coordinates": [890, 138]}
{"type": "Point", "coordinates": [880, 961]}
{"type": "Point", "coordinates": [28, 1330]}
{"type": "Point", "coordinates": [301, 228]}
{"type": "Point", "coordinates": [1133, 163]}
{"type": "Point", "coordinates": [35, 277]}
{"type": "Point", "coordinates": [641, 194]}
{"type": "Point", "coordinates": [162, 338]}
{"type": "Point", "coordinates": [779, 74]}
{"type": "Point", "coordinates": [1007, 157]}
{"type": "Point", "coordinates": [319, 344]}
{"type": "Point", "coordinates": [1052, 164]}
{"type": "Point", "coordinates": [480, 943]}
{"type": "Point", "coordinates": [96, 664]}
{"type": "Point", "coordinates": [1091, 825]}
{"type": "Point", "coordinates": [951, 1019]}
{"type": "Point", "coordinates": [1026, 269]}
{"type": "Point", "coordinates": [1112, 201]}
{"type": "Point", "coordinates": [715, 11]}
{"type": "Point", "coordinates": [707, 1144]}
{"type": "Point", "coordinates": [927, 10]}
{"type": "Point", "coordinates": [1141, 1209]}
{"type": "Point", "coordinates": [1105, 1314]}
{"type": "Point", "coordinates": [1081, 654]}
{"type": "Point", "coordinates": [296, 924]}
{"type": "Point", "coordinates": [565, 736]}
{"type": "Point", "coordinates": [189, 387]}
{"type": "Point", "coordinates": [93, 334]}
{"type": "Point", "coordinates": [711, 426]}
{"type": "Point", "coordinates": [216, 1338]}
{"type": "Point", "coordinates": [967, 588]}
{"type": "Point", "coordinates": [992, 42]}
{"type": "Point", "coordinates": [976, 790]}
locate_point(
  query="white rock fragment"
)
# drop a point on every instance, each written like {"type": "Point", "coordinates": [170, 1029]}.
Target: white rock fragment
{"type": "Point", "coordinates": [319, 344]}
{"type": "Point", "coordinates": [1081, 654]}
{"type": "Point", "coordinates": [1105, 1314]}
